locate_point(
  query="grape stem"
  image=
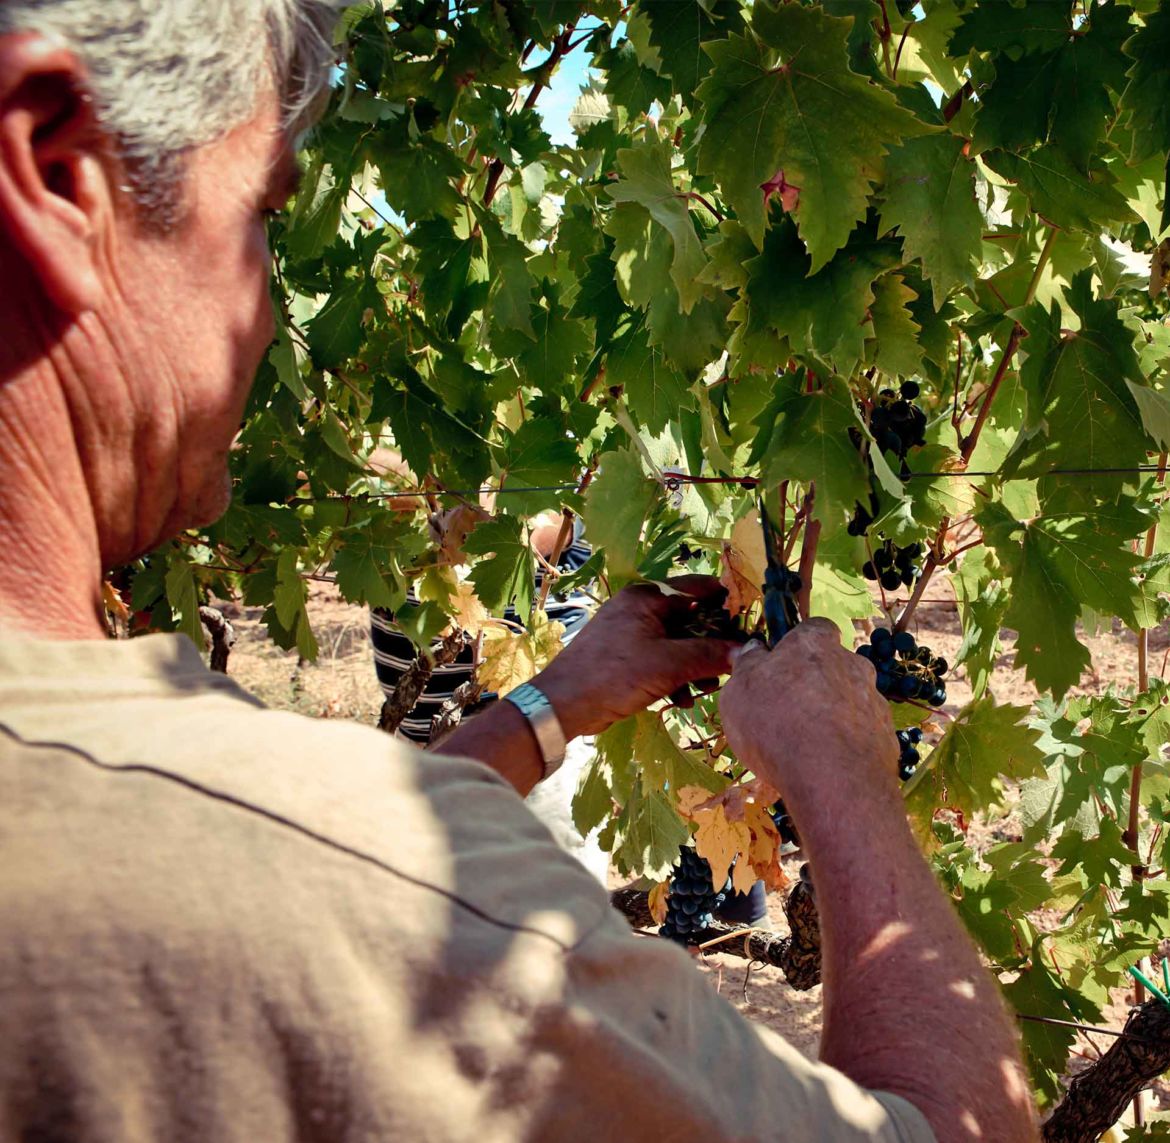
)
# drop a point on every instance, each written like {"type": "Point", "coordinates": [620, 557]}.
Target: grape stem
{"type": "Point", "coordinates": [937, 555]}
{"type": "Point", "coordinates": [561, 46]}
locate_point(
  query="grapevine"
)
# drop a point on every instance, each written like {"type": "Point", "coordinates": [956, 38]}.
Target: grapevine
{"type": "Point", "coordinates": [917, 305]}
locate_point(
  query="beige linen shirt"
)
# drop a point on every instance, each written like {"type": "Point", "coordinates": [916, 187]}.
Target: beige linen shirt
{"type": "Point", "coordinates": [222, 922]}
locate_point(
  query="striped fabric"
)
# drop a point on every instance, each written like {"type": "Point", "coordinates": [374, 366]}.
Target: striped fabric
{"type": "Point", "coordinates": [394, 652]}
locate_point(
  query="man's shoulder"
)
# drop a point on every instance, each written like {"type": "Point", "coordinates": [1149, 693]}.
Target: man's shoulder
{"type": "Point", "coordinates": [378, 814]}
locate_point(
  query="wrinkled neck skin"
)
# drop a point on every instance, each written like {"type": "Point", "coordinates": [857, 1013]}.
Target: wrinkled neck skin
{"type": "Point", "coordinates": [70, 501]}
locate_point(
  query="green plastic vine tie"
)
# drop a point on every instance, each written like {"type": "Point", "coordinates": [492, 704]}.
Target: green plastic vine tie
{"type": "Point", "coordinates": [1151, 987]}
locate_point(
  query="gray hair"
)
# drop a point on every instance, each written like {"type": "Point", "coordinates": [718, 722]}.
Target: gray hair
{"type": "Point", "coordinates": [170, 75]}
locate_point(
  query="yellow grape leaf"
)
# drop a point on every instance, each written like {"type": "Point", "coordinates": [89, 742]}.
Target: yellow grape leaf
{"type": "Point", "coordinates": [742, 562]}
{"type": "Point", "coordinates": [656, 901]}
{"type": "Point", "coordinates": [451, 527]}
{"type": "Point", "coordinates": [690, 798]}
{"type": "Point", "coordinates": [748, 539]}
{"type": "Point", "coordinates": [507, 660]}
{"type": "Point", "coordinates": [736, 822]}
{"type": "Point", "coordinates": [764, 856]}
{"type": "Point", "coordinates": [742, 590]}
{"type": "Point", "coordinates": [720, 841]}
{"type": "Point", "coordinates": [466, 610]}
{"type": "Point", "coordinates": [113, 603]}
{"type": "Point", "coordinates": [545, 636]}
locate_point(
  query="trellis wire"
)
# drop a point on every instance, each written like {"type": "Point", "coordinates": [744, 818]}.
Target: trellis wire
{"type": "Point", "coordinates": [675, 481]}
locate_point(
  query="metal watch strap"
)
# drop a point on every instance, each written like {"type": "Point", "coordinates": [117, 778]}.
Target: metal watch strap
{"type": "Point", "coordinates": [532, 702]}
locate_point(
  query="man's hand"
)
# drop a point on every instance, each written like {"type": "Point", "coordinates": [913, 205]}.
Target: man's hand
{"type": "Point", "coordinates": [786, 712]}
{"type": "Point", "coordinates": [909, 1008]}
{"type": "Point", "coordinates": [625, 657]}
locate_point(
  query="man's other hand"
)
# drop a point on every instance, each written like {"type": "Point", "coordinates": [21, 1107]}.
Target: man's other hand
{"type": "Point", "coordinates": [631, 653]}
{"type": "Point", "coordinates": [808, 703]}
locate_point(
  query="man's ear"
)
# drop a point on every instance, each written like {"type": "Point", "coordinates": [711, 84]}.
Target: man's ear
{"type": "Point", "coordinates": [56, 195]}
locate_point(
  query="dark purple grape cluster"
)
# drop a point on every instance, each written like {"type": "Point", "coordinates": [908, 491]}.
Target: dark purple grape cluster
{"type": "Point", "coordinates": [692, 899]}
{"type": "Point", "coordinates": [905, 671]}
{"type": "Point", "coordinates": [895, 567]}
{"type": "Point", "coordinates": [909, 758]}
{"type": "Point", "coordinates": [897, 424]}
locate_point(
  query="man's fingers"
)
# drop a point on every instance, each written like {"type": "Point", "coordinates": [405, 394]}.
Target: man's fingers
{"type": "Point", "coordinates": [703, 588]}
{"type": "Point", "coordinates": [703, 658]}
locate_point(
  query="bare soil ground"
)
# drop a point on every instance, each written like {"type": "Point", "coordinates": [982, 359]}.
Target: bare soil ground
{"type": "Point", "coordinates": [341, 684]}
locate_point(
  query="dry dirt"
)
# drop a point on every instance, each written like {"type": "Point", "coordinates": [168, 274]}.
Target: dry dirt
{"type": "Point", "coordinates": [341, 684]}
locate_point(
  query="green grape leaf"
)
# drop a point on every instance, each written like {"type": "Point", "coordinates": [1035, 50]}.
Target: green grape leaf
{"type": "Point", "coordinates": [729, 255]}
{"type": "Point", "coordinates": [691, 341]}
{"type": "Point", "coordinates": [421, 623]}
{"type": "Point", "coordinates": [806, 438]}
{"type": "Point", "coordinates": [655, 389]}
{"type": "Point", "coordinates": [930, 198]}
{"type": "Point", "coordinates": [1011, 27]}
{"type": "Point", "coordinates": [512, 281]}
{"type": "Point", "coordinates": [681, 29]}
{"type": "Point", "coordinates": [894, 348]}
{"type": "Point", "coordinates": [1104, 859]}
{"type": "Point", "coordinates": [662, 764]}
{"type": "Point", "coordinates": [289, 599]}
{"type": "Point", "coordinates": [646, 180]}
{"type": "Point", "coordinates": [651, 833]}
{"type": "Point", "coordinates": [839, 592]}
{"type": "Point", "coordinates": [550, 361]}
{"type": "Point", "coordinates": [1081, 413]}
{"type": "Point", "coordinates": [506, 574]}
{"type": "Point", "coordinates": [1147, 98]}
{"type": "Point", "coordinates": [335, 334]}
{"type": "Point", "coordinates": [316, 213]}
{"type": "Point", "coordinates": [990, 899]}
{"type": "Point", "coordinates": [1038, 990]}
{"type": "Point", "coordinates": [983, 745]}
{"type": "Point", "coordinates": [537, 454]}
{"type": "Point", "coordinates": [418, 176]}
{"type": "Point", "coordinates": [183, 598]}
{"type": "Point", "coordinates": [1061, 194]}
{"type": "Point", "coordinates": [1058, 564]}
{"type": "Point", "coordinates": [642, 254]}
{"type": "Point", "coordinates": [983, 600]}
{"type": "Point", "coordinates": [628, 83]}
{"type": "Point", "coordinates": [610, 777]}
{"type": "Point", "coordinates": [361, 567]}
{"type": "Point", "coordinates": [616, 506]}
{"type": "Point", "coordinates": [1060, 96]}
{"type": "Point", "coordinates": [825, 312]}
{"type": "Point", "coordinates": [782, 98]}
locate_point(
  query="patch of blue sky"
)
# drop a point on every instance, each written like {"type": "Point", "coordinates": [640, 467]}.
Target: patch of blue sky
{"type": "Point", "coordinates": [554, 106]}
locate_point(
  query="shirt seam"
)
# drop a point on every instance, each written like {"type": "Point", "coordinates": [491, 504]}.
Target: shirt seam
{"type": "Point", "coordinates": [272, 817]}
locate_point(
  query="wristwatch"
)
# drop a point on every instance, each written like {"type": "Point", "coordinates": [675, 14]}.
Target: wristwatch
{"type": "Point", "coordinates": [532, 702]}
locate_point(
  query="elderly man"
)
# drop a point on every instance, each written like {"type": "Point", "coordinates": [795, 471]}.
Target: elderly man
{"type": "Point", "coordinates": [219, 922]}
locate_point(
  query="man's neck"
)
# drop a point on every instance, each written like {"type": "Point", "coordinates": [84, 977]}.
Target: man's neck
{"type": "Point", "coordinates": [50, 559]}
